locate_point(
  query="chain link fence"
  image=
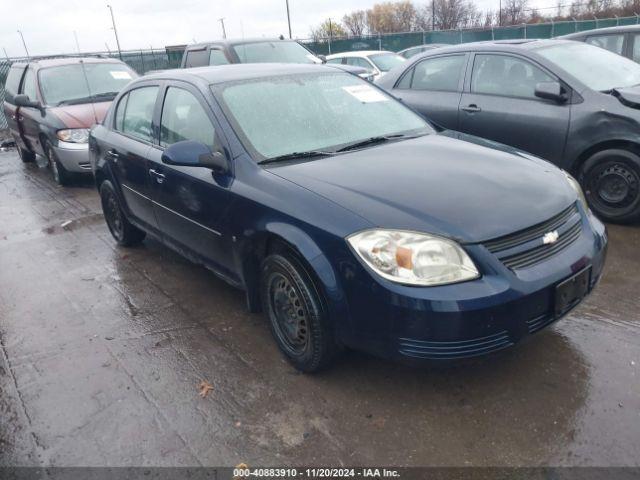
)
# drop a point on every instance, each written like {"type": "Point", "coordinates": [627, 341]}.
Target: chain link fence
{"type": "Point", "coordinates": [143, 61]}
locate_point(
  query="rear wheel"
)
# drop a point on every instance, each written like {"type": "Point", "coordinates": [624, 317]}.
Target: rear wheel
{"type": "Point", "coordinates": [60, 174]}
{"type": "Point", "coordinates": [121, 229]}
{"type": "Point", "coordinates": [611, 183]}
{"type": "Point", "coordinates": [296, 314]}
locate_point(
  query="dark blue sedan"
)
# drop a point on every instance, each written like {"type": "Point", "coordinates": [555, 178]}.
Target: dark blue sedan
{"type": "Point", "coordinates": [344, 215]}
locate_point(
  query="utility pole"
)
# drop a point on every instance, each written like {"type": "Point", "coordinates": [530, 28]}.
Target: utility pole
{"type": "Point", "coordinates": [433, 15]}
{"type": "Point", "coordinates": [288, 18]}
{"type": "Point", "coordinates": [500, 14]}
{"type": "Point", "coordinates": [75, 35]}
{"type": "Point", "coordinates": [115, 31]}
{"type": "Point", "coordinates": [24, 43]}
{"type": "Point", "coordinates": [224, 32]}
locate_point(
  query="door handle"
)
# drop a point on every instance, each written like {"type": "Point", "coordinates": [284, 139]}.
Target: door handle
{"type": "Point", "coordinates": [13, 117]}
{"type": "Point", "coordinates": [158, 176]}
{"type": "Point", "coordinates": [473, 108]}
{"type": "Point", "coordinates": [112, 154]}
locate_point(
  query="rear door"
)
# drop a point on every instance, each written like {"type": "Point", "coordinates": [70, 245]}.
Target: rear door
{"type": "Point", "coordinates": [433, 87]}
{"type": "Point", "coordinates": [499, 104]}
{"type": "Point", "coordinates": [190, 202]}
{"type": "Point", "coordinates": [11, 88]}
{"type": "Point", "coordinates": [127, 150]}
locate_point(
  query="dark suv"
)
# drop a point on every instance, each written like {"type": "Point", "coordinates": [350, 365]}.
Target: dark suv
{"type": "Point", "coordinates": [260, 50]}
{"type": "Point", "coordinates": [51, 104]}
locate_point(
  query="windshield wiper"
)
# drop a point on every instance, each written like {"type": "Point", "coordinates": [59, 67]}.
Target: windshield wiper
{"type": "Point", "coordinates": [296, 156]}
{"type": "Point", "coordinates": [105, 95]}
{"type": "Point", "coordinates": [374, 140]}
{"type": "Point", "coordinates": [91, 98]}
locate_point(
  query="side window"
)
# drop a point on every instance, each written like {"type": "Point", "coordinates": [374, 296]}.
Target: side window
{"type": "Point", "coordinates": [13, 82]}
{"type": "Point", "coordinates": [335, 60]}
{"type": "Point", "coordinates": [359, 62]}
{"type": "Point", "coordinates": [506, 76]}
{"type": "Point", "coordinates": [636, 49]}
{"type": "Point", "coordinates": [122, 106]}
{"type": "Point", "coordinates": [29, 85]}
{"type": "Point", "coordinates": [216, 57]}
{"type": "Point", "coordinates": [196, 58]}
{"type": "Point", "coordinates": [138, 112]}
{"type": "Point", "coordinates": [184, 118]}
{"type": "Point", "coordinates": [438, 73]}
{"type": "Point", "coordinates": [613, 43]}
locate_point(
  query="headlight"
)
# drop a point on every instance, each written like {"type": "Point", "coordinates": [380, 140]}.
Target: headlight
{"type": "Point", "coordinates": [576, 186]}
{"type": "Point", "coordinates": [413, 258]}
{"type": "Point", "coordinates": [74, 135]}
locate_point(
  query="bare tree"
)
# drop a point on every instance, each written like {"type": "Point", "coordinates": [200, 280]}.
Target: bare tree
{"type": "Point", "coordinates": [514, 12]}
{"type": "Point", "coordinates": [327, 29]}
{"type": "Point", "coordinates": [452, 14]}
{"type": "Point", "coordinates": [389, 17]}
{"type": "Point", "coordinates": [355, 22]}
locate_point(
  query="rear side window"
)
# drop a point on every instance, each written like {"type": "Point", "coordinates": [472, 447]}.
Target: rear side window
{"type": "Point", "coordinates": [335, 60]}
{"type": "Point", "coordinates": [217, 57]}
{"type": "Point", "coordinates": [122, 106]}
{"type": "Point", "coordinates": [13, 82]}
{"type": "Point", "coordinates": [506, 76]}
{"type": "Point", "coordinates": [138, 112]}
{"type": "Point", "coordinates": [197, 58]}
{"type": "Point", "coordinates": [359, 62]}
{"type": "Point", "coordinates": [184, 118]}
{"type": "Point", "coordinates": [636, 49]}
{"type": "Point", "coordinates": [439, 73]}
{"type": "Point", "coordinates": [613, 43]}
{"type": "Point", "coordinates": [29, 85]}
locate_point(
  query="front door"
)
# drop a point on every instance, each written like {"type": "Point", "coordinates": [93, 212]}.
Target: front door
{"type": "Point", "coordinates": [11, 88]}
{"type": "Point", "coordinates": [29, 118]}
{"type": "Point", "coordinates": [501, 105]}
{"type": "Point", "coordinates": [127, 150]}
{"type": "Point", "coordinates": [433, 87]}
{"type": "Point", "coordinates": [190, 204]}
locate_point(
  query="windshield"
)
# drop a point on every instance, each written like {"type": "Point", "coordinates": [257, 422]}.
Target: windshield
{"type": "Point", "coordinates": [298, 113]}
{"type": "Point", "coordinates": [386, 61]}
{"type": "Point", "coordinates": [69, 84]}
{"type": "Point", "coordinates": [597, 68]}
{"type": "Point", "coordinates": [274, 52]}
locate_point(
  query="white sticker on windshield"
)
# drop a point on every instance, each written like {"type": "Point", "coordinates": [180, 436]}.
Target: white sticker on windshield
{"type": "Point", "coordinates": [366, 94]}
{"type": "Point", "coordinates": [121, 75]}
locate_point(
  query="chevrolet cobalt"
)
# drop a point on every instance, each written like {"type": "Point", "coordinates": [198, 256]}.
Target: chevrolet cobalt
{"type": "Point", "coordinates": [344, 215]}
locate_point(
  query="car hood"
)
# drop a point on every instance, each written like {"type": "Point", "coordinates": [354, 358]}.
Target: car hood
{"type": "Point", "coordinates": [83, 115]}
{"type": "Point", "coordinates": [437, 184]}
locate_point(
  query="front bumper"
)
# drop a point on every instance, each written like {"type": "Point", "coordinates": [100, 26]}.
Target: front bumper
{"type": "Point", "coordinates": [74, 157]}
{"type": "Point", "coordinates": [471, 318]}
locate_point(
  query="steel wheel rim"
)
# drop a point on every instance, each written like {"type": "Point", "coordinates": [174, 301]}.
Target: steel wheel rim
{"type": "Point", "coordinates": [113, 215]}
{"type": "Point", "coordinates": [290, 317]}
{"type": "Point", "coordinates": [613, 186]}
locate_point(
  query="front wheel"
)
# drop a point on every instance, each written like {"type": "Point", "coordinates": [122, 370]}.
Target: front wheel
{"type": "Point", "coordinates": [61, 176]}
{"type": "Point", "coordinates": [296, 314]}
{"type": "Point", "coordinates": [611, 183]}
{"type": "Point", "coordinates": [121, 229]}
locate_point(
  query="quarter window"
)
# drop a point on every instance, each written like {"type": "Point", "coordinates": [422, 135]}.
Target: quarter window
{"type": "Point", "coordinates": [184, 118]}
{"type": "Point", "coordinates": [217, 57]}
{"type": "Point", "coordinates": [636, 49]}
{"type": "Point", "coordinates": [506, 76]}
{"type": "Point", "coordinates": [438, 73]}
{"type": "Point", "coordinates": [138, 112]}
{"type": "Point", "coordinates": [29, 85]}
{"type": "Point", "coordinates": [613, 43]}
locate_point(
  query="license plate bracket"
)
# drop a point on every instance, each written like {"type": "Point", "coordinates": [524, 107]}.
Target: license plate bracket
{"type": "Point", "coordinates": [570, 291]}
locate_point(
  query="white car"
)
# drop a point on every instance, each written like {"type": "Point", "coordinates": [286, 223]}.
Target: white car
{"type": "Point", "coordinates": [378, 62]}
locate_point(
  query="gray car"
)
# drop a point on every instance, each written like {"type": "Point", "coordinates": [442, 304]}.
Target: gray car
{"type": "Point", "coordinates": [573, 104]}
{"type": "Point", "coordinates": [623, 40]}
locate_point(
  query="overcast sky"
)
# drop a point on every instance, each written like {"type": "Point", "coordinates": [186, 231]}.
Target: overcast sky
{"type": "Point", "coordinates": [48, 25]}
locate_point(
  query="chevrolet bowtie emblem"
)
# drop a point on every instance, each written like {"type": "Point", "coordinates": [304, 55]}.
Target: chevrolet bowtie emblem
{"type": "Point", "coordinates": [550, 237]}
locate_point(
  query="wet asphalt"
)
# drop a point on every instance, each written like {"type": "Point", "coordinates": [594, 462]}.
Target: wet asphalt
{"type": "Point", "coordinates": [102, 350]}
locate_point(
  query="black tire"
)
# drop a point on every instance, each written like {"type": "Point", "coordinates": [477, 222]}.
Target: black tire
{"type": "Point", "coordinates": [611, 183]}
{"type": "Point", "coordinates": [60, 175]}
{"type": "Point", "coordinates": [25, 155]}
{"type": "Point", "coordinates": [121, 229]}
{"type": "Point", "coordinates": [296, 313]}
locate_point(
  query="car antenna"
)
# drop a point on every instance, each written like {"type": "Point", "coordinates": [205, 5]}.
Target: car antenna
{"type": "Point", "coordinates": [86, 79]}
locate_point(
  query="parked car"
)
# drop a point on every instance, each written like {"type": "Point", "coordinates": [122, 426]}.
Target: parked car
{"type": "Point", "coordinates": [343, 214]}
{"type": "Point", "coordinates": [51, 104]}
{"type": "Point", "coordinates": [411, 51]}
{"type": "Point", "coordinates": [624, 40]}
{"type": "Point", "coordinates": [377, 62]}
{"type": "Point", "coordinates": [573, 104]}
{"type": "Point", "coordinates": [274, 50]}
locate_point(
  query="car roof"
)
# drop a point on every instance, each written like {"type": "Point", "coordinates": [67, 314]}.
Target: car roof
{"type": "Point", "coordinates": [598, 31]}
{"type": "Point", "coordinates": [239, 71]}
{"type": "Point", "coordinates": [426, 45]}
{"type": "Point", "coordinates": [60, 61]}
{"type": "Point", "coordinates": [237, 41]}
{"type": "Point", "coordinates": [495, 45]}
{"type": "Point", "coordinates": [357, 53]}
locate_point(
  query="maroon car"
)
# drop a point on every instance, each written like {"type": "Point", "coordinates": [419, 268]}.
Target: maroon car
{"type": "Point", "coordinates": [50, 105]}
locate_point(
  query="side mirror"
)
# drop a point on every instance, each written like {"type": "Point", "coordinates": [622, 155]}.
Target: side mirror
{"type": "Point", "coordinates": [550, 91]}
{"type": "Point", "coordinates": [323, 58]}
{"type": "Point", "coordinates": [190, 153]}
{"type": "Point", "coordinates": [23, 100]}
